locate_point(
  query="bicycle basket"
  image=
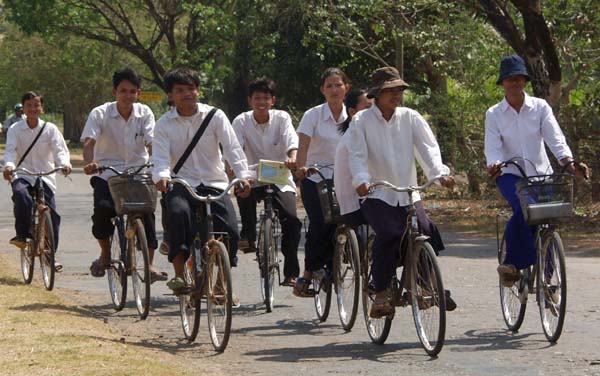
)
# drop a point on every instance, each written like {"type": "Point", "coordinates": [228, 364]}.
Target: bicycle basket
{"type": "Point", "coordinates": [133, 193]}
{"type": "Point", "coordinates": [546, 198]}
{"type": "Point", "coordinates": [329, 203]}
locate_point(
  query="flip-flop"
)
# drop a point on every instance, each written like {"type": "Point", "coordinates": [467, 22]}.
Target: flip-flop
{"type": "Point", "coordinates": [158, 276]}
{"type": "Point", "coordinates": [97, 269]}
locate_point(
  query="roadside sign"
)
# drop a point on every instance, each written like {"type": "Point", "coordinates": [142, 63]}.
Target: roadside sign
{"type": "Point", "coordinates": [151, 96]}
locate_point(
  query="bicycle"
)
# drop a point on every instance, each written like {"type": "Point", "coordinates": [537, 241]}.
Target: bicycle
{"type": "Point", "coordinates": [134, 194]}
{"type": "Point", "coordinates": [545, 199]}
{"type": "Point", "coordinates": [345, 276]}
{"type": "Point", "coordinates": [420, 284]}
{"type": "Point", "coordinates": [207, 274]}
{"type": "Point", "coordinates": [42, 243]}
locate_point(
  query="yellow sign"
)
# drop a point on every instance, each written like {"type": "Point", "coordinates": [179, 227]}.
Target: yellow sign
{"type": "Point", "coordinates": [151, 96]}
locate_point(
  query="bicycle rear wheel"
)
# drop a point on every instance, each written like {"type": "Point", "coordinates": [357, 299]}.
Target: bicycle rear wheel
{"type": "Point", "coordinates": [347, 278]}
{"type": "Point", "coordinates": [513, 300]}
{"type": "Point", "coordinates": [28, 261]}
{"type": "Point", "coordinates": [267, 262]}
{"type": "Point", "coordinates": [552, 286]}
{"type": "Point", "coordinates": [117, 271]}
{"type": "Point", "coordinates": [47, 250]}
{"type": "Point", "coordinates": [428, 298]}
{"type": "Point", "coordinates": [378, 329]}
{"type": "Point", "coordinates": [189, 300]}
{"type": "Point", "coordinates": [140, 267]}
{"type": "Point", "coordinates": [219, 295]}
{"type": "Point", "coordinates": [322, 286]}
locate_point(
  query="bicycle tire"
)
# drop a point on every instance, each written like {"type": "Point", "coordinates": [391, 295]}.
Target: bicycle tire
{"type": "Point", "coordinates": [347, 278]}
{"type": "Point", "coordinates": [552, 276]}
{"type": "Point", "coordinates": [189, 301]}
{"type": "Point", "coordinates": [428, 298]}
{"type": "Point", "coordinates": [378, 329]}
{"type": "Point", "coordinates": [267, 258]}
{"type": "Point", "coordinates": [137, 246]}
{"type": "Point", "coordinates": [322, 285]}
{"type": "Point", "coordinates": [47, 250]}
{"type": "Point", "coordinates": [28, 262]}
{"type": "Point", "coordinates": [513, 300]}
{"type": "Point", "coordinates": [219, 294]}
{"type": "Point", "coordinates": [117, 272]}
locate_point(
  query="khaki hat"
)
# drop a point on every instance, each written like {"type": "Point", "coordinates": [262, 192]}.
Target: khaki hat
{"type": "Point", "coordinates": [385, 78]}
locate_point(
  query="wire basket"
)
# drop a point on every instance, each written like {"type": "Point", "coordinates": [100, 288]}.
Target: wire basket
{"type": "Point", "coordinates": [329, 203]}
{"type": "Point", "coordinates": [546, 198]}
{"type": "Point", "coordinates": [133, 193]}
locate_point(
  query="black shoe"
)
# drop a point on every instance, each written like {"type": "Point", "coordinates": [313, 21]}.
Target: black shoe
{"type": "Point", "coordinates": [233, 261]}
{"type": "Point", "coordinates": [450, 303]}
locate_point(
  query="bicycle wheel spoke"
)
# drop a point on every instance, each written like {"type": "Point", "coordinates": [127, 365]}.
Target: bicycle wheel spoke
{"type": "Point", "coordinates": [219, 295]}
{"type": "Point", "coordinates": [552, 288]}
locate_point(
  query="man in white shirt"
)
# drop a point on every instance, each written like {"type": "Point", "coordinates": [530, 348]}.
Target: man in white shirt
{"type": "Point", "coordinates": [268, 134]}
{"type": "Point", "coordinates": [203, 168]}
{"type": "Point", "coordinates": [48, 152]}
{"type": "Point", "coordinates": [385, 139]}
{"type": "Point", "coordinates": [518, 127]}
{"type": "Point", "coordinates": [118, 134]}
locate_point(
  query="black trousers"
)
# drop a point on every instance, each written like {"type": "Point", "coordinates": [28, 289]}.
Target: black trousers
{"type": "Point", "coordinates": [319, 238]}
{"type": "Point", "coordinates": [104, 212]}
{"type": "Point", "coordinates": [182, 223]}
{"type": "Point", "coordinates": [285, 204]}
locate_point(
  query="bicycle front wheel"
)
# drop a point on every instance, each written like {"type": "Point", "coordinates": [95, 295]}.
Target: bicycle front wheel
{"type": "Point", "coordinates": [117, 271]}
{"type": "Point", "coordinates": [189, 300]}
{"type": "Point", "coordinates": [513, 300]}
{"type": "Point", "coordinates": [47, 250]}
{"type": "Point", "coordinates": [347, 278]}
{"type": "Point", "coordinates": [267, 262]}
{"type": "Point", "coordinates": [552, 286]}
{"type": "Point", "coordinates": [28, 261]}
{"type": "Point", "coordinates": [140, 267]}
{"type": "Point", "coordinates": [322, 286]}
{"type": "Point", "coordinates": [428, 298]}
{"type": "Point", "coordinates": [219, 295]}
{"type": "Point", "coordinates": [378, 329]}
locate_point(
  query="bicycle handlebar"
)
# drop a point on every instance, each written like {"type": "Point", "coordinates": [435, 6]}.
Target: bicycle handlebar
{"type": "Point", "coordinates": [409, 189]}
{"type": "Point", "coordinates": [128, 170]}
{"type": "Point", "coordinates": [27, 172]}
{"type": "Point", "coordinates": [316, 169]}
{"type": "Point", "coordinates": [196, 196]}
{"type": "Point", "coordinates": [563, 169]}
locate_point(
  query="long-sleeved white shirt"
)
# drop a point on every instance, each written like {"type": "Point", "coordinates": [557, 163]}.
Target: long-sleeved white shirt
{"type": "Point", "coordinates": [386, 150]}
{"type": "Point", "coordinates": [120, 143]}
{"type": "Point", "coordinates": [272, 140]}
{"type": "Point", "coordinates": [318, 124]}
{"type": "Point", "coordinates": [509, 134]}
{"type": "Point", "coordinates": [342, 179]}
{"type": "Point", "coordinates": [49, 152]}
{"type": "Point", "coordinates": [172, 135]}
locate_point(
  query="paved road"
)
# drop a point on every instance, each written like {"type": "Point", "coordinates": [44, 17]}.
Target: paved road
{"type": "Point", "coordinates": [290, 340]}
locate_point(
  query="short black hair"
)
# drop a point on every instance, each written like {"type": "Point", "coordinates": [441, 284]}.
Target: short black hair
{"type": "Point", "coordinates": [262, 85]}
{"type": "Point", "coordinates": [181, 75]}
{"type": "Point", "coordinates": [334, 71]}
{"type": "Point", "coordinates": [126, 74]}
{"type": "Point", "coordinates": [30, 95]}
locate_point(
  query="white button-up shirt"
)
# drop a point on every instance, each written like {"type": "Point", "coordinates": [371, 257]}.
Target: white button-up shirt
{"type": "Point", "coordinates": [510, 134]}
{"type": "Point", "coordinates": [386, 150]}
{"type": "Point", "coordinates": [49, 151]}
{"type": "Point", "coordinates": [318, 124]}
{"type": "Point", "coordinates": [272, 140]}
{"type": "Point", "coordinates": [342, 179]}
{"type": "Point", "coordinates": [120, 143]}
{"type": "Point", "coordinates": [173, 134]}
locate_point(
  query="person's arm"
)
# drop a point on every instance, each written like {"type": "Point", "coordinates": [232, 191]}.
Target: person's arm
{"type": "Point", "coordinates": [149, 124]}
{"type": "Point", "coordinates": [91, 131]}
{"type": "Point", "coordinates": [305, 131]}
{"type": "Point", "coordinates": [10, 154]}
{"type": "Point", "coordinates": [290, 137]}
{"type": "Point", "coordinates": [553, 136]}
{"type": "Point", "coordinates": [357, 158]}
{"type": "Point", "coordinates": [232, 151]}
{"type": "Point", "coordinates": [161, 172]}
{"type": "Point", "coordinates": [493, 144]}
{"type": "Point", "coordinates": [428, 150]}
{"type": "Point", "coordinates": [60, 152]}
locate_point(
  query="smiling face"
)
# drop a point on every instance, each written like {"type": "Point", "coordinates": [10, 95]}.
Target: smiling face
{"type": "Point", "coordinates": [185, 98]}
{"type": "Point", "coordinates": [334, 89]}
{"type": "Point", "coordinates": [389, 99]}
{"type": "Point", "coordinates": [514, 85]}
{"type": "Point", "coordinates": [126, 93]}
{"type": "Point", "coordinates": [261, 102]}
{"type": "Point", "coordinates": [33, 108]}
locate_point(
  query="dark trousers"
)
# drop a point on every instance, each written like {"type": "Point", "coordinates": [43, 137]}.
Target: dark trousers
{"type": "Point", "coordinates": [104, 212]}
{"type": "Point", "coordinates": [520, 240]}
{"type": "Point", "coordinates": [23, 206]}
{"type": "Point", "coordinates": [183, 226]}
{"type": "Point", "coordinates": [389, 223]}
{"type": "Point", "coordinates": [285, 204]}
{"type": "Point", "coordinates": [319, 238]}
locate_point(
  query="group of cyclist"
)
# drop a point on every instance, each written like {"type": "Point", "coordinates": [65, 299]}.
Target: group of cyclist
{"type": "Point", "coordinates": [362, 135]}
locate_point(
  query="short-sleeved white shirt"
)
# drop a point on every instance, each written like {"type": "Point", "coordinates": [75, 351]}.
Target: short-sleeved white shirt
{"type": "Point", "coordinates": [318, 124]}
{"type": "Point", "coordinates": [271, 141]}
{"type": "Point", "coordinates": [120, 143]}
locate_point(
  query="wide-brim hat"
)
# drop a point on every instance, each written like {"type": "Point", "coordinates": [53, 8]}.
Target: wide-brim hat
{"type": "Point", "coordinates": [512, 65]}
{"type": "Point", "coordinates": [385, 78]}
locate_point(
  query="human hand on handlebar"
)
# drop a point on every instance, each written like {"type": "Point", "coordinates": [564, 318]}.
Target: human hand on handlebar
{"type": "Point", "coordinates": [363, 189]}
{"type": "Point", "coordinates": [66, 170]}
{"type": "Point", "coordinates": [492, 169]}
{"type": "Point", "coordinates": [447, 181]}
{"type": "Point", "coordinates": [7, 173]}
{"type": "Point", "coordinates": [90, 168]}
{"type": "Point", "coordinates": [162, 185]}
{"type": "Point", "coordinates": [243, 189]}
{"type": "Point", "coordinates": [301, 172]}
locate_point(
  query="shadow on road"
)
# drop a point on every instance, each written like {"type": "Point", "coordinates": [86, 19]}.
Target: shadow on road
{"type": "Point", "coordinates": [485, 340]}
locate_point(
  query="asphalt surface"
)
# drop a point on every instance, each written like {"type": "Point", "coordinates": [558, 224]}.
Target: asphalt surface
{"type": "Point", "coordinates": [291, 341]}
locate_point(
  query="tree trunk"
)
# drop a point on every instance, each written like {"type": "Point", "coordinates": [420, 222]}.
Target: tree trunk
{"type": "Point", "coordinates": [74, 120]}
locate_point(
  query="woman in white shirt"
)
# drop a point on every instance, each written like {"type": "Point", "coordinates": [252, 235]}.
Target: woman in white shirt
{"type": "Point", "coordinates": [318, 138]}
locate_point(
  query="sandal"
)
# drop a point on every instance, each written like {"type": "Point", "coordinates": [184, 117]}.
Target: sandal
{"type": "Point", "coordinates": [158, 276]}
{"type": "Point", "coordinates": [97, 269]}
{"type": "Point", "coordinates": [302, 288]}
{"type": "Point", "coordinates": [381, 308]}
{"type": "Point", "coordinates": [289, 281]}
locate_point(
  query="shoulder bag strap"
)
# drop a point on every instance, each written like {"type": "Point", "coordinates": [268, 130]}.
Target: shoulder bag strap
{"type": "Point", "coordinates": [194, 141]}
{"type": "Point", "coordinates": [31, 145]}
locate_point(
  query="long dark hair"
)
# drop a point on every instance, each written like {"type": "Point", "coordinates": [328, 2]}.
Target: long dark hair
{"type": "Point", "coordinates": [351, 101]}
